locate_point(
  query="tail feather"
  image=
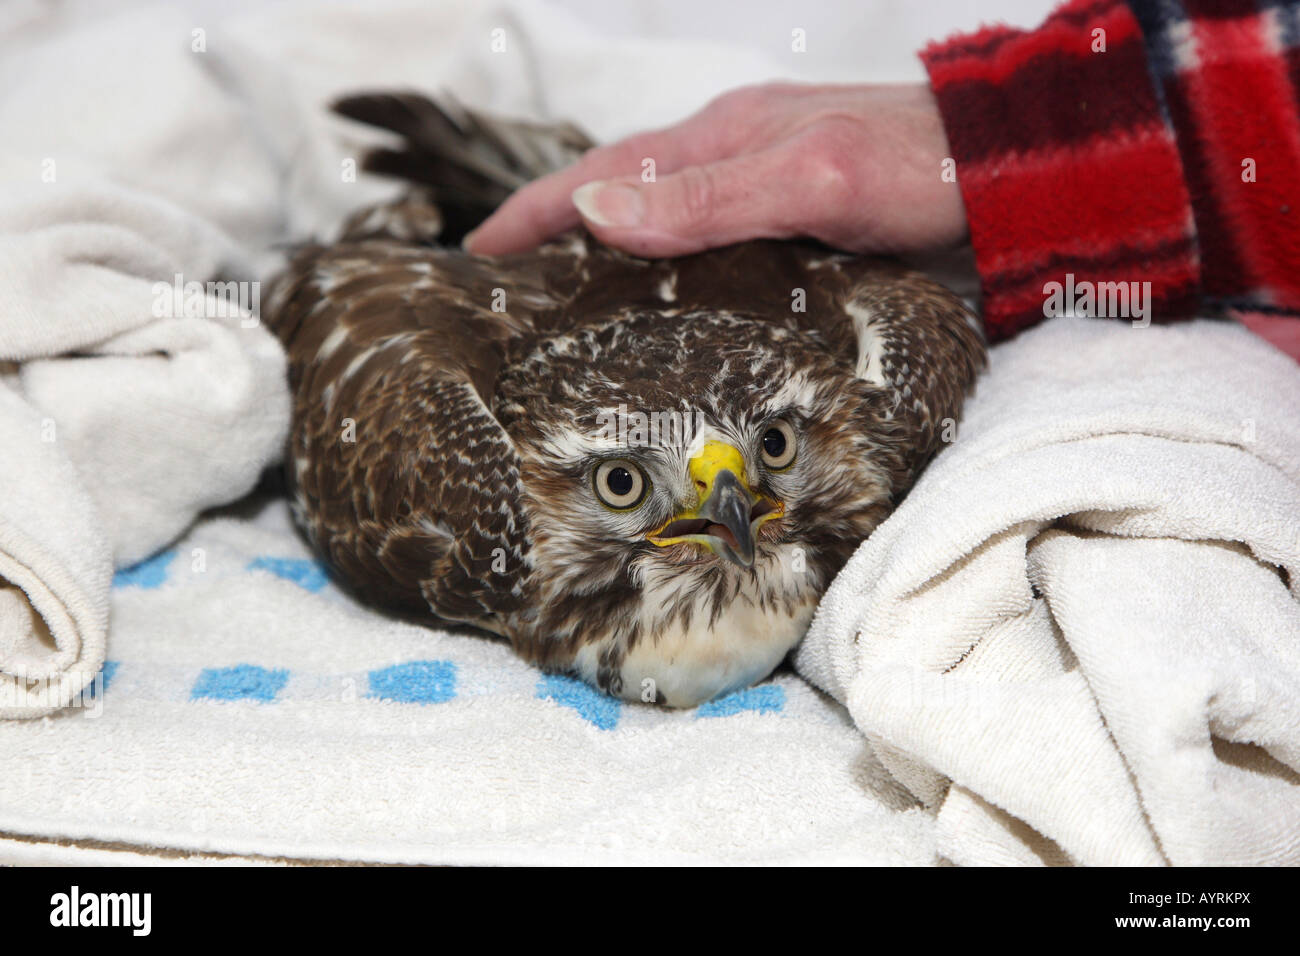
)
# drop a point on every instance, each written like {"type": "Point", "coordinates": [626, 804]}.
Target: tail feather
{"type": "Point", "coordinates": [463, 161]}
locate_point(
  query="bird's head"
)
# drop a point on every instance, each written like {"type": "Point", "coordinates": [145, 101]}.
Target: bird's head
{"type": "Point", "coordinates": [693, 484]}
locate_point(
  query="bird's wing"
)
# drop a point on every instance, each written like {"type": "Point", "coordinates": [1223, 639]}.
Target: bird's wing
{"type": "Point", "coordinates": [914, 337]}
{"type": "Point", "coordinates": [397, 465]}
{"type": "Point", "coordinates": [400, 472]}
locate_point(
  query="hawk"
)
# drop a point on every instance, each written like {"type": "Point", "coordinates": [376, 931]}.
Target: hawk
{"type": "Point", "coordinates": [642, 473]}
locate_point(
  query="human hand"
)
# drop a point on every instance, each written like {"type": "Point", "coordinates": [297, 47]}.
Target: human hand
{"type": "Point", "coordinates": [858, 167]}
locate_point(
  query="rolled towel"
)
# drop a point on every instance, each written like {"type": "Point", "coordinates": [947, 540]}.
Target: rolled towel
{"type": "Point", "coordinates": [136, 393]}
{"type": "Point", "coordinates": [55, 569]}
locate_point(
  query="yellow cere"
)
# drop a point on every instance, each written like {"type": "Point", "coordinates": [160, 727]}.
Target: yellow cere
{"type": "Point", "coordinates": [713, 459]}
{"type": "Point", "coordinates": [716, 457]}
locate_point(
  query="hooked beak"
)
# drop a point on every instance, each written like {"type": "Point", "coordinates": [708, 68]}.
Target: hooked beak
{"type": "Point", "coordinates": [728, 515]}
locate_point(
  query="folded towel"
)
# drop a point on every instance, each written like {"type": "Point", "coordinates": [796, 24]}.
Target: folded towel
{"type": "Point", "coordinates": [1078, 639]}
{"type": "Point", "coordinates": [133, 396]}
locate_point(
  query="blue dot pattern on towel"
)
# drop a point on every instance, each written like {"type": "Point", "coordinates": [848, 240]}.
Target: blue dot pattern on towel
{"type": "Point", "coordinates": [415, 682]}
{"type": "Point", "coordinates": [765, 699]}
{"type": "Point", "coordinates": [303, 572]}
{"type": "Point", "coordinates": [598, 708]}
{"type": "Point", "coordinates": [241, 682]}
{"type": "Point", "coordinates": [410, 682]}
{"type": "Point", "coordinates": [149, 573]}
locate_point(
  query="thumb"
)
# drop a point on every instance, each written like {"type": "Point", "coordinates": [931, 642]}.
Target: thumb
{"type": "Point", "coordinates": [698, 207]}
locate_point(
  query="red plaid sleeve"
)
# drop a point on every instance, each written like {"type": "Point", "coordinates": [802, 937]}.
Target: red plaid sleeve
{"type": "Point", "coordinates": [1153, 141]}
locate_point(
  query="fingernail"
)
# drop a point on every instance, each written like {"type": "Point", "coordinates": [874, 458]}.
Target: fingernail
{"type": "Point", "coordinates": [467, 243]}
{"type": "Point", "coordinates": [610, 204]}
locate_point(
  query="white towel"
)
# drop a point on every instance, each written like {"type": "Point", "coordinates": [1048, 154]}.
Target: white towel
{"type": "Point", "coordinates": [121, 415]}
{"type": "Point", "coordinates": [1078, 639]}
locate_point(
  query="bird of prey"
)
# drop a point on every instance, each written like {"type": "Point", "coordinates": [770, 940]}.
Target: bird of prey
{"type": "Point", "coordinates": [641, 473]}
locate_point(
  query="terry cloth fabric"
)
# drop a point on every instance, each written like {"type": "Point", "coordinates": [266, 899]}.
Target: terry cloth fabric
{"type": "Point", "coordinates": [249, 707]}
{"type": "Point", "coordinates": [1155, 141]}
{"type": "Point", "coordinates": [122, 416]}
{"type": "Point", "coordinates": [1078, 638]}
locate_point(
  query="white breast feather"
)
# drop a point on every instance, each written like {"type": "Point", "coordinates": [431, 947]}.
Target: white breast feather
{"type": "Point", "coordinates": [709, 658]}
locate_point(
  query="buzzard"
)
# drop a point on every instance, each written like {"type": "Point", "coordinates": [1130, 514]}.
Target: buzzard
{"type": "Point", "coordinates": [643, 473]}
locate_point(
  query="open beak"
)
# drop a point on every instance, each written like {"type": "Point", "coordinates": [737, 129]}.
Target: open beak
{"type": "Point", "coordinates": [727, 515]}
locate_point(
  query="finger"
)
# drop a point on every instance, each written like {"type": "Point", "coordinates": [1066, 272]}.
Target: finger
{"type": "Point", "coordinates": [698, 207]}
{"type": "Point", "coordinates": [543, 208]}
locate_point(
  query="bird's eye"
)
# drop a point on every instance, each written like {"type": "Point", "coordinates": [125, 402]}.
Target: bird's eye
{"type": "Point", "coordinates": [778, 446]}
{"type": "Point", "coordinates": [619, 484]}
